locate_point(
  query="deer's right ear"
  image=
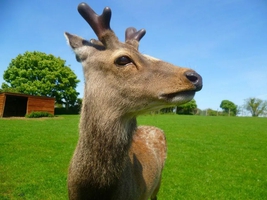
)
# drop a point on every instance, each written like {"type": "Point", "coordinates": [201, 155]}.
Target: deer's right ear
{"type": "Point", "coordinates": [78, 45]}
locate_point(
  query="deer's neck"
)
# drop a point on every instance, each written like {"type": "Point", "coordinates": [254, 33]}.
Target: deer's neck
{"type": "Point", "coordinates": [105, 139]}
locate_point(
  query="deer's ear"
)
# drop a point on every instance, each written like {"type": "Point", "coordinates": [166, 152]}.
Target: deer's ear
{"type": "Point", "coordinates": [78, 45]}
{"type": "Point", "coordinates": [74, 41]}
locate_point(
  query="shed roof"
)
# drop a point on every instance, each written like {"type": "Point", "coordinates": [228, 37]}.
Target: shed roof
{"type": "Point", "coordinates": [25, 95]}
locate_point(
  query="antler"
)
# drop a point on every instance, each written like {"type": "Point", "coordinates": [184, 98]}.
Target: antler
{"type": "Point", "coordinates": [133, 37]}
{"type": "Point", "coordinates": [132, 34]}
{"type": "Point", "coordinates": [99, 23]}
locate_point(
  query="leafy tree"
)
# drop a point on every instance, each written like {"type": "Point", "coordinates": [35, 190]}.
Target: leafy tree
{"type": "Point", "coordinates": [6, 88]}
{"type": "Point", "coordinates": [256, 106]}
{"type": "Point", "coordinates": [37, 73]}
{"type": "Point", "coordinates": [228, 107]}
{"type": "Point", "coordinates": [188, 108]}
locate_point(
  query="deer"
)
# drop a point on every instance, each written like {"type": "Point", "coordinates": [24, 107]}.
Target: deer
{"type": "Point", "coordinates": [114, 158]}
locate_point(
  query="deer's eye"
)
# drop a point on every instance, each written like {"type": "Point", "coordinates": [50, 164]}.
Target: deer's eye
{"type": "Point", "coordinates": [123, 60]}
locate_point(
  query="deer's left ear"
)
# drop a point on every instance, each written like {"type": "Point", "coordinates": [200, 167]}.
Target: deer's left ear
{"type": "Point", "coordinates": [74, 41]}
{"type": "Point", "coordinates": [78, 45]}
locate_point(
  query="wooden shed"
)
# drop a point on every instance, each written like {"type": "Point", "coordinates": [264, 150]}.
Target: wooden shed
{"type": "Point", "coordinates": [15, 104]}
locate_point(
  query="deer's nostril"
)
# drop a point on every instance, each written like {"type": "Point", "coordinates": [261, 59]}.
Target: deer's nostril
{"type": "Point", "coordinates": [192, 78]}
{"type": "Point", "coordinates": [195, 79]}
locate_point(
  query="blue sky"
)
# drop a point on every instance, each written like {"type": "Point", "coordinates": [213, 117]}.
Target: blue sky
{"type": "Point", "coordinates": [224, 41]}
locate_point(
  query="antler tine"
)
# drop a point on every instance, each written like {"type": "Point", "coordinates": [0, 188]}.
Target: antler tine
{"type": "Point", "coordinates": [99, 23]}
{"type": "Point", "coordinates": [132, 34]}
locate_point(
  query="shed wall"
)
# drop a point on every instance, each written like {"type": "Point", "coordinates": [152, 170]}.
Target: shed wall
{"type": "Point", "coordinates": [12, 104]}
{"type": "Point", "coordinates": [40, 104]}
{"type": "Point", "coordinates": [2, 103]}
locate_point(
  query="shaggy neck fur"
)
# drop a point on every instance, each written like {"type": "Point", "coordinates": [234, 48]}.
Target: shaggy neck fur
{"type": "Point", "coordinates": [105, 138]}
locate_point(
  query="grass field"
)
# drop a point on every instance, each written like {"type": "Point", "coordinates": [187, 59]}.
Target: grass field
{"type": "Point", "coordinates": [208, 157]}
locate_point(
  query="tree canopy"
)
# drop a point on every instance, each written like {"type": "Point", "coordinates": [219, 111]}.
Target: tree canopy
{"type": "Point", "coordinates": [187, 108]}
{"type": "Point", "coordinates": [256, 106]}
{"type": "Point", "coordinates": [37, 73]}
{"type": "Point", "coordinates": [229, 107]}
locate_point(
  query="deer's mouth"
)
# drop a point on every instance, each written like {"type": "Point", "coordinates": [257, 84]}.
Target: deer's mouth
{"type": "Point", "coordinates": [178, 97]}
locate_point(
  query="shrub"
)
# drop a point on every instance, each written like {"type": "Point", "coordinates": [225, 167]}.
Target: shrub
{"type": "Point", "coordinates": [38, 115]}
{"type": "Point", "coordinates": [71, 111]}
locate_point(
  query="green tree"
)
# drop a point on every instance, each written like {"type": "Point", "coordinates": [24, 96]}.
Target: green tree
{"type": "Point", "coordinates": [256, 106]}
{"type": "Point", "coordinates": [37, 73]}
{"type": "Point", "coordinates": [7, 88]}
{"type": "Point", "coordinates": [188, 108]}
{"type": "Point", "coordinates": [228, 107]}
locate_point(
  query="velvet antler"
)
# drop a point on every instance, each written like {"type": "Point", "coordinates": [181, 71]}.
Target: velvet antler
{"type": "Point", "coordinates": [132, 34]}
{"type": "Point", "coordinates": [99, 23]}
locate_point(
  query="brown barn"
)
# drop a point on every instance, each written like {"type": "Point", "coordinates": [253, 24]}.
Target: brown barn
{"type": "Point", "coordinates": [14, 104]}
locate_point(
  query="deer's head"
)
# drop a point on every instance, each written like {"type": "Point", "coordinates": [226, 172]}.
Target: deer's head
{"type": "Point", "coordinates": [118, 75]}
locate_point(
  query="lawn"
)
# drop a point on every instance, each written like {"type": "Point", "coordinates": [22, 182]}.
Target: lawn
{"type": "Point", "coordinates": [208, 157]}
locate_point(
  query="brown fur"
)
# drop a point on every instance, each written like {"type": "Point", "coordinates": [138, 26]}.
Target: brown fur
{"type": "Point", "coordinates": [114, 159]}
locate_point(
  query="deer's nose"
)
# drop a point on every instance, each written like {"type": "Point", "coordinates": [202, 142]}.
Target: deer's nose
{"type": "Point", "coordinates": [195, 79]}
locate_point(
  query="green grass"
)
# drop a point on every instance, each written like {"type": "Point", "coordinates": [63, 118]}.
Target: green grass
{"type": "Point", "coordinates": [214, 157]}
{"type": "Point", "coordinates": [34, 157]}
{"type": "Point", "coordinates": [208, 157]}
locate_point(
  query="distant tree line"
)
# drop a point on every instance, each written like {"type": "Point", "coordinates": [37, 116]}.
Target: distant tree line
{"type": "Point", "coordinates": [256, 107]}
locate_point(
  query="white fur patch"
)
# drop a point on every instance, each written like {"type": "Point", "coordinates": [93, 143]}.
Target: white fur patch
{"type": "Point", "coordinates": [68, 42]}
{"type": "Point", "coordinates": [81, 50]}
